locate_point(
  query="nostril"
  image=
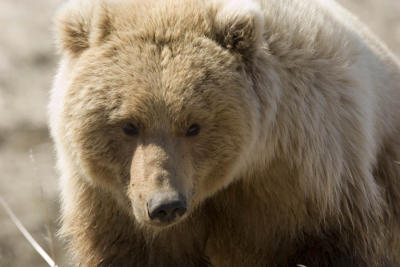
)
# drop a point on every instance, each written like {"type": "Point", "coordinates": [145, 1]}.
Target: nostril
{"type": "Point", "coordinates": [166, 207]}
{"type": "Point", "coordinates": [179, 211]}
{"type": "Point", "coordinates": [161, 214]}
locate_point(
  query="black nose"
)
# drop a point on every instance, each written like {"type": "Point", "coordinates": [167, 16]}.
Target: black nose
{"type": "Point", "coordinates": [166, 207]}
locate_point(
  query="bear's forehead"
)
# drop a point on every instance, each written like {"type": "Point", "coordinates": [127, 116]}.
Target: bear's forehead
{"type": "Point", "coordinates": [148, 79]}
{"type": "Point", "coordinates": [156, 68]}
{"type": "Point", "coordinates": [177, 68]}
{"type": "Point", "coordinates": [159, 20]}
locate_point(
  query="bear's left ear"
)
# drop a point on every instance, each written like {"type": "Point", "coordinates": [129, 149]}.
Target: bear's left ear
{"type": "Point", "coordinates": [239, 25]}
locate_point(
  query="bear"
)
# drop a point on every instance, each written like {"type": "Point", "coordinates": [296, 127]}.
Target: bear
{"type": "Point", "coordinates": [225, 133]}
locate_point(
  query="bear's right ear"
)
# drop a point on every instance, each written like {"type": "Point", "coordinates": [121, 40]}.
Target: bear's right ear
{"type": "Point", "coordinates": [73, 23]}
{"type": "Point", "coordinates": [81, 23]}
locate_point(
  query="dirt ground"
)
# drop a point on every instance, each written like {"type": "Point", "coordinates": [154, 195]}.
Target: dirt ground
{"type": "Point", "coordinates": [28, 180]}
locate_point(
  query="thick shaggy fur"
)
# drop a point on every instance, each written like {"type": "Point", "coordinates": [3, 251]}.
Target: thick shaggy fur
{"type": "Point", "coordinates": [297, 160]}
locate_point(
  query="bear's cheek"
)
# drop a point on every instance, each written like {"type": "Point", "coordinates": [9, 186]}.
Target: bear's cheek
{"type": "Point", "coordinates": [215, 158]}
{"type": "Point", "coordinates": [101, 156]}
{"type": "Point", "coordinates": [213, 177]}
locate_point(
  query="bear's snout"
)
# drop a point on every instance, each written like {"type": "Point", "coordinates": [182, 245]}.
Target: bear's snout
{"type": "Point", "coordinates": [166, 208]}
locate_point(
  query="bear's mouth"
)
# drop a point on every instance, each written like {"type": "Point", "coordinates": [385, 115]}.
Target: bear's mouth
{"type": "Point", "coordinates": [165, 224]}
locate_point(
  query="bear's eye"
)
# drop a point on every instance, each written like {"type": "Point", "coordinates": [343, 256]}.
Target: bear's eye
{"type": "Point", "coordinates": [193, 130]}
{"type": "Point", "coordinates": [130, 129]}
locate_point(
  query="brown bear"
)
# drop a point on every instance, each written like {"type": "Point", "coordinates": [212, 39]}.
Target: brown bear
{"type": "Point", "coordinates": [226, 133]}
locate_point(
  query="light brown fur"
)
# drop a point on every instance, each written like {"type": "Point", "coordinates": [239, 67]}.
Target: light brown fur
{"type": "Point", "coordinates": [297, 161]}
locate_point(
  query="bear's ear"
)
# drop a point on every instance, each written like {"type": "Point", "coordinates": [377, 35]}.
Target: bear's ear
{"type": "Point", "coordinates": [239, 25]}
{"type": "Point", "coordinates": [80, 24]}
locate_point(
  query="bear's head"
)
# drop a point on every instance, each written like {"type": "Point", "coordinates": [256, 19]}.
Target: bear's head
{"type": "Point", "coordinates": [154, 101]}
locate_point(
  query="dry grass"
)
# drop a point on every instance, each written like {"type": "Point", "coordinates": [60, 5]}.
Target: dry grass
{"type": "Point", "coordinates": [27, 177]}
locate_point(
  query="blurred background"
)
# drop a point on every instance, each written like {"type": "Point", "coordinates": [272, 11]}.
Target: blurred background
{"type": "Point", "coordinates": [28, 61]}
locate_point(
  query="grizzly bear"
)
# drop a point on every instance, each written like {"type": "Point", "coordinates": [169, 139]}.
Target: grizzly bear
{"type": "Point", "coordinates": [226, 133]}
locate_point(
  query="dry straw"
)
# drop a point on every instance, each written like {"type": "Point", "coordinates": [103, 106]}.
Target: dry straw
{"type": "Point", "coordinates": [26, 234]}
